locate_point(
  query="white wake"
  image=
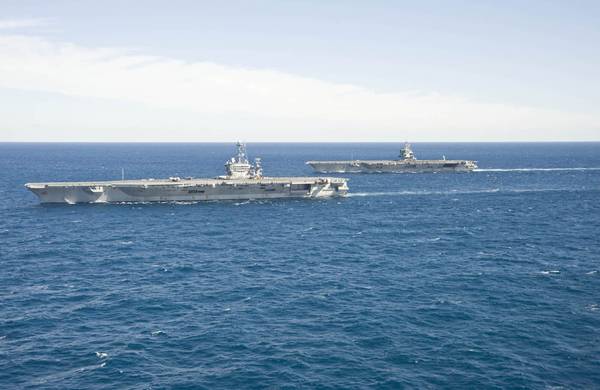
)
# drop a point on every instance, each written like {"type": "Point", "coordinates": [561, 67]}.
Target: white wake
{"type": "Point", "coordinates": [467, 192]}
{"type": "Point", "coordinates": [397, 193]}
{"type": "Point", "coordinates": [535, 169]}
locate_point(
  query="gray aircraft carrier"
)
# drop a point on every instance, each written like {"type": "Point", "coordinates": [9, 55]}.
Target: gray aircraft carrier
{"type": "Point", "coordinates": [407, 163]}
{"type": "Point", "coordinates": [243, 181]}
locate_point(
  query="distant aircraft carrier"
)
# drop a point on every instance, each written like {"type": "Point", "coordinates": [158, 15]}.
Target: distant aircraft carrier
{"type": "Point", "coordinates": [243, 181]}
{"type": "Point", "coordinates": [407, 164]}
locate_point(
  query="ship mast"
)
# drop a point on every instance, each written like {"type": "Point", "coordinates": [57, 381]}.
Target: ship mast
{"type": "Point", "coordinates": [241, 153]}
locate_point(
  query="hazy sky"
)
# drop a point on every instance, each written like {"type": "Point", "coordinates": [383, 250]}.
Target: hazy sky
{"type": "Point", "coordinates": [299, 70]}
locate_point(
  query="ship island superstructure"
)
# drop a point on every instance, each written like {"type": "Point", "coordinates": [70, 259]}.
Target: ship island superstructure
{"type": "Point", "coordinates": [407, 163]}
{"type": "Point", "coordinates": [242, 181]}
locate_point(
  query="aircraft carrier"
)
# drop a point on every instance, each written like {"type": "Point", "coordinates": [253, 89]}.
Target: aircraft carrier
{"type": "Point", "coordinates": [407, 163]}
{"type": "Point", "coordinates": [243, 181]}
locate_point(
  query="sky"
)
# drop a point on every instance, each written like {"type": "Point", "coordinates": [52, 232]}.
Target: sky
{"type": "Point", "coordinates": [160, 71]}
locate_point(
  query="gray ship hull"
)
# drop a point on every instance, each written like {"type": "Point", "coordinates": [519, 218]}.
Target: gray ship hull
{"type": "Point", "coordinates": [393, 166]}
{"type": "Point", "coordinates": [187, 190]}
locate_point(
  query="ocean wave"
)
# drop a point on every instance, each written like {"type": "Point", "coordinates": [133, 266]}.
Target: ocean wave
{"type": "Point", "coordinates": [101, 355]}
{"type": "Point", "coordinates": [550, 272]}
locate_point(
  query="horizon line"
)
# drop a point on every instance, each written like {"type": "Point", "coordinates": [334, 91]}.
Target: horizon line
{"type": "Point", "coordinates": [291, 142]}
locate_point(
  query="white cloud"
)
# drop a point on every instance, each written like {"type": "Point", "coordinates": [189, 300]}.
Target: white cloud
{"type": "Point", "coordinates": [7, 24]}
{"type": "Point", "coordinates": [266, 103]}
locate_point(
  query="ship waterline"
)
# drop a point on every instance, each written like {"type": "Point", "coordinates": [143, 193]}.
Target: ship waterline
{"type": "Point", "coordinates": [243, 181]}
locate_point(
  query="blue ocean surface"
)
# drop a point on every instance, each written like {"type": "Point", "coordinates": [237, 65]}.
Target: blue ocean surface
{"type": "Point", "coordinates": [489, 279]}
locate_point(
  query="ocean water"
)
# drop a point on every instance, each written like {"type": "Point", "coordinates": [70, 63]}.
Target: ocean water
{"type": "Point", "coordinates": [482, 280]}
